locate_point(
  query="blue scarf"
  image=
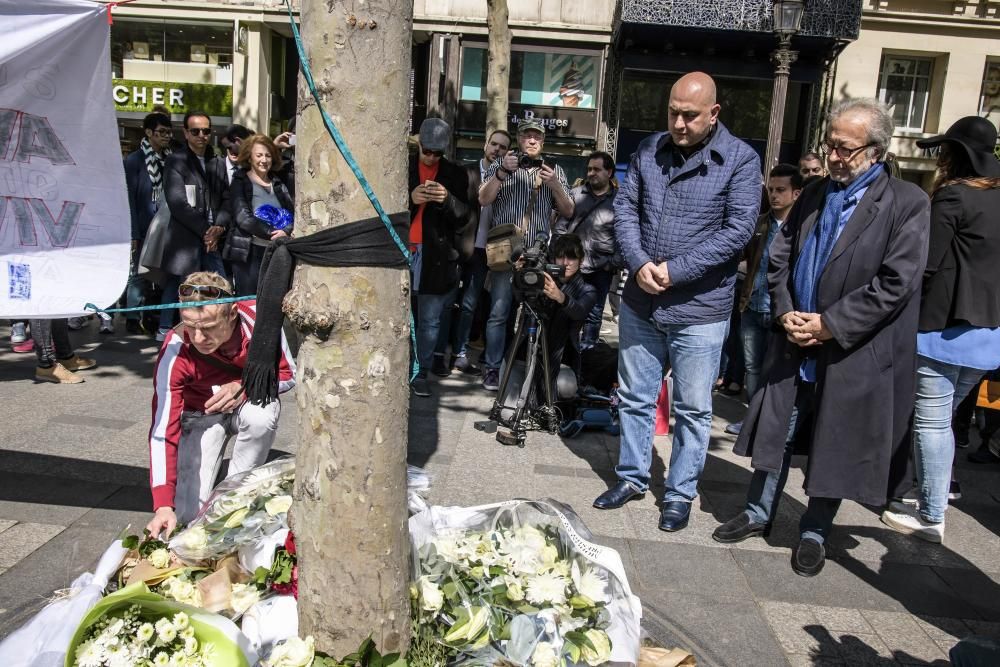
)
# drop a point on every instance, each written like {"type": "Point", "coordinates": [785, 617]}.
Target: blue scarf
{"type": "Point", "coordinates": [817, 248]}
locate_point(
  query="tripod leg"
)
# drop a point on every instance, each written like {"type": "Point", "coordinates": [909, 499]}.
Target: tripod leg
{"type": "Point", "coordinates": [519, 335]}
{"type": "Point", "coordinates": [546, 367]}
{"type": "Point", "coordinates": [529, 376]}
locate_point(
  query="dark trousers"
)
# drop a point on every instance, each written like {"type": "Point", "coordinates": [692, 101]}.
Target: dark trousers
{"type": "Point", "coordinates": [51, 341]}
{"type": "Point", "coordinates": [601, 281]}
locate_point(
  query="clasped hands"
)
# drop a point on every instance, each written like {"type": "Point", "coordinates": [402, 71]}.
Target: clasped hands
{"type": "Point", "coordinates": [653, 278]}
{"type": "Point", "coordinates": [805, 329]}
{"type": "Point", "coordinates": [212, 236]}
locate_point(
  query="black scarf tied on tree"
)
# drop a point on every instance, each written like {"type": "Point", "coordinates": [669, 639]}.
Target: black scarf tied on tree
{"type": "Point", "coordinates": [362, 243]}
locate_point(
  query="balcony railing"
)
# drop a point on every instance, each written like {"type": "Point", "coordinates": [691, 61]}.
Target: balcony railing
{"type": "Point", "coordinates": [838, 19]}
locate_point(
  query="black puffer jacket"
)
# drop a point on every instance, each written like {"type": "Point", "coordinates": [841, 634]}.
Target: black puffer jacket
{"type": "Point", "coordinates": [237, 215]}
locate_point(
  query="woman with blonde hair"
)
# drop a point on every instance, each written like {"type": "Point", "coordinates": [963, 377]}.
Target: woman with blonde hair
{"type": "Point", "coordinates": [258, 209]}
{"type": "Point", "coordinates": [959, 335]}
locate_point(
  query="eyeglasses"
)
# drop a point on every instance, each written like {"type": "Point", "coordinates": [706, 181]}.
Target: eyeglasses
{"type": "Point", "coordinates": [195, 131]}
{"type": "Point", "coordinates": [428, 152]}
{"type": "Point", "coordinates": [844, 153]}
{"type": "Point", "coordinates": [187, 290]}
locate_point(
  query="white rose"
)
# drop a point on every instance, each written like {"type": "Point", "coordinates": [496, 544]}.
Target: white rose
{"type": "Point", "coordinates": [194, 539]}
{"type": "Point", "coordinates": [278, 505]}
{"type": "Point", "coordinates": [160, 559]}
{"type": "Point", "coordinates": [544, 655]}
{"type": "Point", "coordinates": [431, 597]}
{"type": "Point", "coordinates": [601, 652]}
{"type": "Point", "coordinates": [293, 652]}
{"type": "Point", "coordinates": [242, 597]}
{"type": "Point", "coordinates": [515, 591]}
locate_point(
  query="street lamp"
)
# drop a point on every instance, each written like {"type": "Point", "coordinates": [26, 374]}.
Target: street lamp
{"type": "Point", "coordinates": [787, 20]}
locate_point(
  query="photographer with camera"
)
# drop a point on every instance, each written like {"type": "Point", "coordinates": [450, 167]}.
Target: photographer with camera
{"type": "Point", "coordinates": [524, 191]}
{"type": "Point", "coordinates": [571, 299]}
{"type": "Point", "coordinates": [556, 300]}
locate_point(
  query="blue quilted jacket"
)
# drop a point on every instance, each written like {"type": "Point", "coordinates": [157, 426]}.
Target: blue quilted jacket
{"type": "Point", "coordinates": [698, 219]}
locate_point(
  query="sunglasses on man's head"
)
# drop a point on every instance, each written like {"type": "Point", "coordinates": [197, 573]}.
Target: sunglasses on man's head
{"type": "Point", "coordinates": [211, 291]}
{"type": "Point", "coordinates": [428, 152]}
{"type": "Point", "coordinates": [203, 131]}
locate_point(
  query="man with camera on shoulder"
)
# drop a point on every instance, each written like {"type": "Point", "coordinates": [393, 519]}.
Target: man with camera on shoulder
{"type": "Point", "coordinates": [524, 190]}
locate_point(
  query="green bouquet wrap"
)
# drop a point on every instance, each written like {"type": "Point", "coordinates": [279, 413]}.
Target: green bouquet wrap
{"type": "Point", "coordinates": [224, 643]}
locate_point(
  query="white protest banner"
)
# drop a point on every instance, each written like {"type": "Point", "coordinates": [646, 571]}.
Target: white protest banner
{"type": "Point", "coordinates": [64, 217]}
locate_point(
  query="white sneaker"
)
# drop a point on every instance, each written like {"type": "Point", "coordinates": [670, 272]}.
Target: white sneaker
{"type": "Point", "coordinates": [914, 525]}
{"type": "Point", "coordinates": [107, 325]}
{"type": "Point", "coordinates": [18, 333]}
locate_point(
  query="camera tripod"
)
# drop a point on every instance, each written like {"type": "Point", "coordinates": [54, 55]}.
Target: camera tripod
{"type": "Point", "coordinates": [530, 330]}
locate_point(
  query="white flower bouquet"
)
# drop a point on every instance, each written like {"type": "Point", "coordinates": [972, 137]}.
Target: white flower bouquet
{"type": "Point", "coordinates": [134, 627]}
{"type": "Point", "coordinates": [241, 510]}
{"type": "Point", "coordinates": [517, 581]}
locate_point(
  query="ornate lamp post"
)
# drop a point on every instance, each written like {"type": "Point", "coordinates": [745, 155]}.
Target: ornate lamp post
{"type": "Point", "coordinates": [787, 19]}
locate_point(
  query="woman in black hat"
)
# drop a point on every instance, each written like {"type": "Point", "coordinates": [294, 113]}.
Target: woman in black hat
{"type": "Point", "coordinates": [959, 339]}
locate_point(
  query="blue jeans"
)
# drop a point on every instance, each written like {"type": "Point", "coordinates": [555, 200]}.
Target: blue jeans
{"type": "Point", "coordinates": [501, 295]}
{"type": "Point", "coordinates": [429, 309]}
{"type": "Point", "coordinates": [765, 487]}
{"type": "Point", "coordinates": [693, 351]}
{"type": "Point", "coordinates": [940, 388]}
{"type": "Point", "coordinates": [473, 280]}
{"type": "Point", "coordinates": [755, 328]}
{"type": "Point", "coordinates": [601, 281]}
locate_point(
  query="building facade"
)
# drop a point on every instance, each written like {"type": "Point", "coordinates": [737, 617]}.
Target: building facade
{"type": "Point", "coordinates": [233, 60]}
{"type": "Point", "coordinates": [933, 62]}
{"type": "Point", "coordinates": [657, 41]}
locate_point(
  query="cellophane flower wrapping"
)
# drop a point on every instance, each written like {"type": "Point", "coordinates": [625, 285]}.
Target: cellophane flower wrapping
{"type": "Point", "coordinates": [42, 641]}
{"type": "Point", "coordinates": [133, 625]}
{"type": "Point", "coordinates": [521, 580]}
{"type": "Point", "coordinates": [243, 509]}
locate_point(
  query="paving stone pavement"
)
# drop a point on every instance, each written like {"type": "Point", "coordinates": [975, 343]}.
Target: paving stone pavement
{"type": "Point", "coordinates": [73, 473]}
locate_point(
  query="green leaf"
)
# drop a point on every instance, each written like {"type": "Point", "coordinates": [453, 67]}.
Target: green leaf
{"type": "Point", "coordinates": [131, 542]}
{"type": "Point", "coordinates": [526, 608]}
{"type": "Point", "coordinates": [571, 650]}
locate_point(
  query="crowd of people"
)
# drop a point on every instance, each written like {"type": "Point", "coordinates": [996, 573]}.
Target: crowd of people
{"type": "Point", "coordinates": [856, 313]}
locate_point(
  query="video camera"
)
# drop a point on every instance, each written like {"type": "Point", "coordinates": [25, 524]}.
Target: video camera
{"type": "Point", "coordinates": [529, 278]}
{"type": "Point", "coordinates": [525, 161]}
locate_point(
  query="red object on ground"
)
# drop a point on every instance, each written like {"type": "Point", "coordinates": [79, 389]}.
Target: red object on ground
{"type": "Point", "coordinates": [663, 409]}
{"type": "Point", "coordinates": [25, 347]}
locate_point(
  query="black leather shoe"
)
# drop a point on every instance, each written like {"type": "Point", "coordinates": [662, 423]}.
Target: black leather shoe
{"type": "Point", "coordinates": [439, 368]}
{"type": "Point", "coordinates": [808, 558]}
{"type": "Point", "coordinates": [740, 528]}
{"type": "Point", "coordinates": [616, 496]}
{"type": "Point", "coordinates": [675, 515]}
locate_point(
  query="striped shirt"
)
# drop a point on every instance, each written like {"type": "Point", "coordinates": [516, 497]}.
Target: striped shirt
{"type": "Point", "coordinates": [514, 195]}
{"type": "Point", "coordinates": [183, 383]}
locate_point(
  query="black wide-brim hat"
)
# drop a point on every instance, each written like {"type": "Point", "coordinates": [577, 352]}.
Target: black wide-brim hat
{"type": "Point", "coordinates": [977, 137]}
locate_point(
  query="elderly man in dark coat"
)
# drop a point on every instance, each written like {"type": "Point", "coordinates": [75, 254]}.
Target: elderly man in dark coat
{"type": "Point", "coordinates": [845, 275]}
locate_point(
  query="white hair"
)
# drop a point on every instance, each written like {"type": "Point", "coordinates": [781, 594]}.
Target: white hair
{"type": "Point", "coordinates": [880, 126]}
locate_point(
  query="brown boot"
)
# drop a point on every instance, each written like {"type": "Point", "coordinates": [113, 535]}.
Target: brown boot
{"type": "Point", "coordinates": [78, 363]}
{"type": "Point", "coordinates": [58, 374]}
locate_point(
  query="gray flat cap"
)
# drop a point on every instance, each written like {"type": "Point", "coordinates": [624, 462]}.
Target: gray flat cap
{"type": "Point", "coordinates": [435, 134]}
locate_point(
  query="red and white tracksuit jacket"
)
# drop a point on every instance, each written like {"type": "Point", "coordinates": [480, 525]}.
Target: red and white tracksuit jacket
{"type": "Point", "coordinates": [183, 383]}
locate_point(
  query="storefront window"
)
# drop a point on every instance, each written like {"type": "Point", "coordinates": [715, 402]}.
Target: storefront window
{"type": "Point", "coordinates": [537, 78]}
{"type": "Point", "coordinates": [191, 53]}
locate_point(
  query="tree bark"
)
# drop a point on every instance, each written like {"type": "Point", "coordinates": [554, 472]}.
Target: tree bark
{"type": "Point", "coordinates": [498, 70]}
{"type": "Point", "coordinates": [349, 515]}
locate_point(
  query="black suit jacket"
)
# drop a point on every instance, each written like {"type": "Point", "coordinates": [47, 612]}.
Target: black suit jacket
{"type": "Point", "coordinates": [441, 223]}
{"type": "Point", "coordinates": [188, 224]}
{"type": "Point", "coordinates": [960, 282]}
{"type": "Point", "coordinates": [869, 298]}
{"type": "Point", "coordinates": [466, 241]}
